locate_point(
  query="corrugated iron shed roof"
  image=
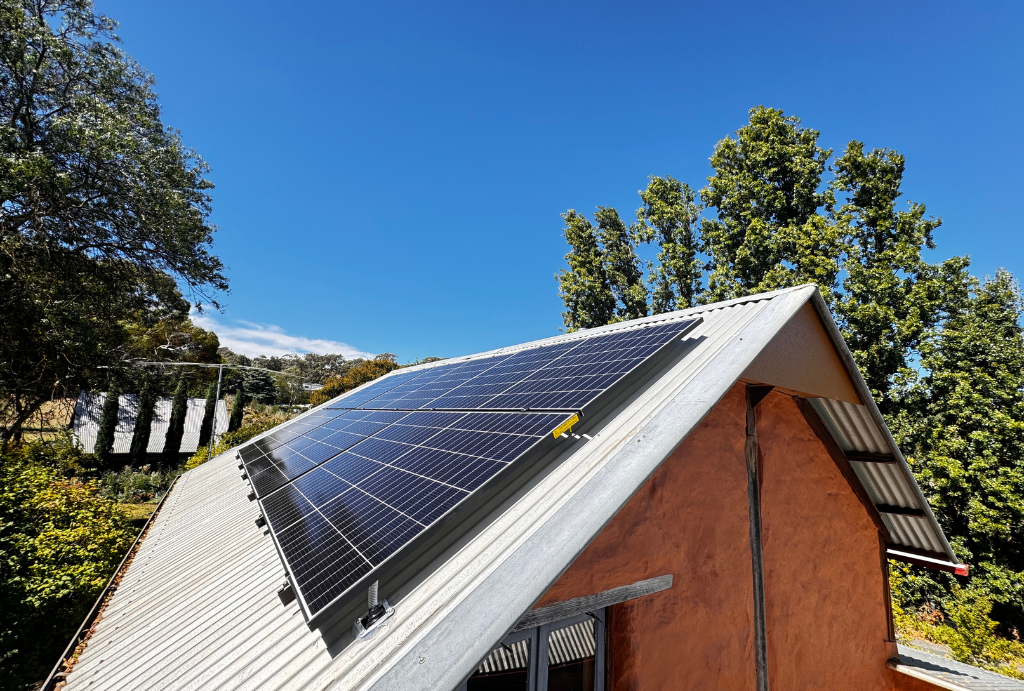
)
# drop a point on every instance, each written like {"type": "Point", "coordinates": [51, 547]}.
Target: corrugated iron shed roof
{"type": "Point", "coordinates": [950, 674]}
{"type": "Point", "coordinates": [89, 407]}
{"type": "Point", "coordinates": [198, 608]}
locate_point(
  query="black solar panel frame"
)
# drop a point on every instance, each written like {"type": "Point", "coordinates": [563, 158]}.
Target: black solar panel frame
{"type": "Point", "coordinates": [542, 449]}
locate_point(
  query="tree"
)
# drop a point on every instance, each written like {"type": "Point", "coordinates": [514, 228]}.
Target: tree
{"type": "Point", "coordinates": [173, 338]}
{"type": "Point", "coordinates": [103, 211]}
{"type": "Point", "coordinates": [144, 420]}
{"type": "Point", "coordinates": [259, 386]}
{"type": "Point", "coordinates": [891, 297]}
{"type": "Point", "coordinates": [176, 424]}
{"type": "Point", "coordinates": [237, 409]}
{"type": "Point", "coordinates": [584, 288]}
{"type": "Point", "coordinates": [104, 448]}
{"type": "Point", "coordinates": [963, 427]}
{"type": "Point", "coordinates": [357, 376]}
{"type": "Point", "coordinates": [669, 217]}
{"type": "Point", "coordinates": [621, 265]}
{"type": "Point", "coordinates": [209, 415]}
{"type": "Point", "coordinates": [767, 233]}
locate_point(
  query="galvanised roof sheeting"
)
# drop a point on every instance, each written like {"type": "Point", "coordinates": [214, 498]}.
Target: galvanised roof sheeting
{"type": "Point", "coordinates": [950, 674]}
{"type": "Point", "coordinates": [886, 483]}
{"type": "Point", "coordinates": [89, 407]}
{"type": "Point", "coordinates": [198, 608]}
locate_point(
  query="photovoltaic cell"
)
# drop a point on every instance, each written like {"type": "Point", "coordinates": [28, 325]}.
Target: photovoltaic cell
{"type": "Point", "coordinates": [349, 485]}
{"type": "Point", "coordinates": [275, 459]}
{"type": "Point", "coordinates": [566, 375]}
{"type": "Point", "coordinates": [356, 397]}
{"type": "Point", "coordinates": [382, 492]}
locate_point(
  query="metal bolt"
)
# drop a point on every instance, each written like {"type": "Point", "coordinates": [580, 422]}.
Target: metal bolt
{"type": "Point", "coordinates": [422, 659]}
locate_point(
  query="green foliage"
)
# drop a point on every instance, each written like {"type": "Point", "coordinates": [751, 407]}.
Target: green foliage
{"type": "Point", "coordinates": [891, 296]}
{"type": "Point", "coordinates": [237, 409]}
{"type": "Point", "coordinates": [669, 216]}
{"type": "Point", "coordinates": [585, 288]}
{"type": "Point", "coordinates": [144, 419]}
{"type": "Point", "coordinates": [130, 486]}
{"type": "Point", "coordinates": [963, 624]}
{"type": "Point", "coordinates": [962, 427]}
{"type": "Point", "coordinates": [209, 412]}
{"type": "Point", "coordinates": [174, 338]}
{"type": "Point", "coordinates": [259, 386]}
{"type": "Point", "coordinates": [176, 424]}
{"type": "Point", "coordinates": [59, 544]}
{"type": "Point", "coordinates": [103, 211]}
{"type": "Point", "coordinates": [104, 448]}
{"type": "Point", "coordinates": [621, 265]}
{"type": "Point", "coordinates": [765, 192]}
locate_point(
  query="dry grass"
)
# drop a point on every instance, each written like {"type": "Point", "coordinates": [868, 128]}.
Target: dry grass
{"type": "Point", "coordinates": [52, 418]}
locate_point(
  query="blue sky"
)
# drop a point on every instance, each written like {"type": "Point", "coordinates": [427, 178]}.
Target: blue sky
{"type": "Point", "coordinates": [390, 176]}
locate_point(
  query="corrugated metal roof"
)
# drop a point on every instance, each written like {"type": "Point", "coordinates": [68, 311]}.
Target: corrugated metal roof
{"type": "Point", "coordinates": [950, 674]}
{"type": "Point", "coordinates": [89, 407]}
{"type": "Point", "coordinates": [198, 608]}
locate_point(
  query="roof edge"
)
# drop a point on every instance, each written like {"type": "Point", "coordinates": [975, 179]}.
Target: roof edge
{"type": "Point", "coordinates": [853, 371]}
{"type": "Point", "coordinates": [438, 648]}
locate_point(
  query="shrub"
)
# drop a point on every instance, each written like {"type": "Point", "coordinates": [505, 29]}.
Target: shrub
{"type": "Point", "coordinates": [59, 544]}
{"type": "Point", "coordinates": [129, 486]}
{"type": "Point", "coordinates": [963, 624]}
{"type": "Point", "coordinates": [258, 419]}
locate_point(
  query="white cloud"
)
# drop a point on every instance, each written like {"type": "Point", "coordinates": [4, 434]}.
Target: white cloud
{"type": "Point", "coordinates": [252, 339]}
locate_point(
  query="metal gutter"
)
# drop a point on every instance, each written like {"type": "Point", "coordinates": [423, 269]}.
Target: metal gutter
{"type": "Point", "coordinates": [56, 675]}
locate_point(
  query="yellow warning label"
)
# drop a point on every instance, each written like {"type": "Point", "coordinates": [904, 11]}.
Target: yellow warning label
{"type": "Point", "coordinates": [565, 425]}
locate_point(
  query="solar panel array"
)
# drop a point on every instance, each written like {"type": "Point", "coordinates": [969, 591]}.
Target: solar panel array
{"type": "Point", "coordinates": [346, 487]}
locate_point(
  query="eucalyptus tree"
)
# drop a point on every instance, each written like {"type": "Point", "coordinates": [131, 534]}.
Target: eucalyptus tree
{"type": "Point", "coordinates": [103, 211]}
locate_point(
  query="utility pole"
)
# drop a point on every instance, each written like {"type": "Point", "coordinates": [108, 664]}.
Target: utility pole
{"type": "Point", "coordinates": [216, 400]}
{"type": "Point", "coordinates": [220, 375]}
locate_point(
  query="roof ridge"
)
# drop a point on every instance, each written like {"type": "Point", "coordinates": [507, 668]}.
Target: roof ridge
{"type": "Point", "coordinates": [640, 322]}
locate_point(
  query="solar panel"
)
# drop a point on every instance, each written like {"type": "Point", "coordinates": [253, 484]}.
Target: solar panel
{"type": "Point", "coordinates": [348, 486]}
{"type": "Point", "coordinates": [275, 459]}
{"type": "Point", "coordinates": [566, 375]}
{"type": "Point", "coordinates": [356, 397]}
{"type": "Point", "coordinates": [344, 518]}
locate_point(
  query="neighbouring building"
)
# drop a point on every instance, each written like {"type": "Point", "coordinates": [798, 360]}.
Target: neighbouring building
{"type": "Point", "coordinates": [715, 514]}
{"type": "Point", "coordinates": [89, 407]}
